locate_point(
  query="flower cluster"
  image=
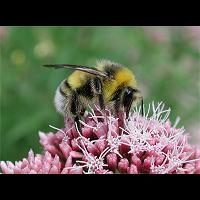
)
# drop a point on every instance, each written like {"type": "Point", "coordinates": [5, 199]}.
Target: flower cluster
{"type": "Point", "coordinates": [139, 144]}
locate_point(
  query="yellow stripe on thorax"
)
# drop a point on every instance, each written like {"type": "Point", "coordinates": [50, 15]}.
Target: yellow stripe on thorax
{"type": "Point", "coordinates": [123, 77]}
{"type": "Point", "coordinates": [78, 79]}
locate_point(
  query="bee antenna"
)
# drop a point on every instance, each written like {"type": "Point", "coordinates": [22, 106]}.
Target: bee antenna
{"type": "Point", "coordinates": [142, 110]}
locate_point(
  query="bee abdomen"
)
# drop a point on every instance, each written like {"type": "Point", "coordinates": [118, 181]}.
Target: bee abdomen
{"type": "Point", "coordinates": [62, 98]}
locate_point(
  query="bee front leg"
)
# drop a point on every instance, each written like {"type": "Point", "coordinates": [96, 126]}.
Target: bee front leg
{"type": "Point", "coordinates": [76, 120]}
{"type": "Point", "coordinates": [101, 102]}
{"type": "Point", "coordinates": [117, 102]}
{"type": "Point", "coordinates": [118, 109]}
{"type": "Point", "coordinates": [97, 88]}
{"type": "Point", "coordinates": [128, 99]}
{"type": "Point", "coordinates": [117, 106]}
{"type": "Point", "coordinates": [76, 110]}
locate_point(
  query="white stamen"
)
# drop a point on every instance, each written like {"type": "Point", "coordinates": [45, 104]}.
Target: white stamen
{"type": "Point", "coordinates": [88, 125]}
{"type": "Point", "coordinates": [65, 136]}
{"type": "Point", "coordinates": [176, 122]}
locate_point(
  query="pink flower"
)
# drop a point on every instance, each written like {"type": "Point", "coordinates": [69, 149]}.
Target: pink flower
{"type": "Point", "coordinates": [34, 164]}
{"type": "Point", "coordinates": [140, 144]}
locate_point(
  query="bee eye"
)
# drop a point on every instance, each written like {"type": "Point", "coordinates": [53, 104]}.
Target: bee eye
{"type": "Point", "coordinates": [128, 92]}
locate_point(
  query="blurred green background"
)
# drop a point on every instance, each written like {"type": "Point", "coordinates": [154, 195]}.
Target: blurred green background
{"type": "Point", "coordinates": [166, 61]}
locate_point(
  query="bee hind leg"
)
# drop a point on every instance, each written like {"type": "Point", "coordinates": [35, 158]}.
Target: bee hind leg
{"type": "Point", "coordinates": [97, 89]}
{"type": "Point", "coordinates": [101, 102]}
{"type": "Point", "coordinates": [77, 110]}
{"type": "Point", "coordinates": [78, 127]}
{"type": "Point", "coordinates": [118, 109]}
{"type": "Point", "coordinates": [117, 106]}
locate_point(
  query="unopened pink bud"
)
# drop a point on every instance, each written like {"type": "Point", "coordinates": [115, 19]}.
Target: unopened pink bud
{"type": "Point", "coordinates": [93, 149]}
{"type": "Point", "coordinates": [123, 165]}
{"type": "Point", "coordinates": [133, 169]}
{"type": "Point", "coordinates": [112, 161]}
{"type": "Point", "coordinates": [87, 132]}
{"type": "Point", "coordinates": [147, 164]}
{"type": "Point", "coordinates": [159, 159]}
{"type": "Point", "coordinates": [136, 161]}
{"type": "Point", "coordinates": [66, 149]}
{"type": "Point", "coordinates": [76, 171]}
{"type": "Point", "coordinates": [76, 154]}
{"type": "Point", "coordinates": [101, 145]}
{"type": "Point", "coordinates": [74, 145]}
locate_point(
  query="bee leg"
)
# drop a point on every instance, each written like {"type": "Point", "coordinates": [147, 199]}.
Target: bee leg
{"type": "Point", "coordinates": [117, 105]}
{"type": "Point", "coordinates": [118, 113]}
{"type": "Point", "coordinates": [76, 111]}
{"type": "Point", "coordinates": [98, 91]}
{"type": "Point", "coordinates": [101, 102]}
{"type": "Point", "coordinates": [76, 120]}
{"type": "Point", "coordinates": [117, 97]}
{"type": "Point", "coordinates": [128, 99]}
{"type": "Point", "coordinates": [128, 110]}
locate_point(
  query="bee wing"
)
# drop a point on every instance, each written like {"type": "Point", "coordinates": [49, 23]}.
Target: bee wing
{"type": "Point", "coordinates": [86, 69]}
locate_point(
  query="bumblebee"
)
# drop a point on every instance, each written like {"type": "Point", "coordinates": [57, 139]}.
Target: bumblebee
{"type": "Point", "coordinates": [108, 84]}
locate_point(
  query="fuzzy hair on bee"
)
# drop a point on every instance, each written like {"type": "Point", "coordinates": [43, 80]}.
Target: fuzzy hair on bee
{"type": "Point", "coordinates": [108, 84]}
